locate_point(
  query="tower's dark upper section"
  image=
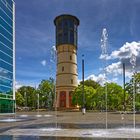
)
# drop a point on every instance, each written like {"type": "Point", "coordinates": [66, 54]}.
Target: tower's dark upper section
{"type": "Point", "coordinates": [66, 29]}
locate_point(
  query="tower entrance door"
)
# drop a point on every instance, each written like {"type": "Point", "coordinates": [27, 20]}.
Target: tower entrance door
{"type": "Point", "coordinates": [62, 98]}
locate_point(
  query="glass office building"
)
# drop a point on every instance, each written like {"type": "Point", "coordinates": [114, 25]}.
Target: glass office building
{"type": "Point", "coordinates": [7, 56]}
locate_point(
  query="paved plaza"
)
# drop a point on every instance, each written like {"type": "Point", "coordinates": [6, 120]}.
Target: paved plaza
{"type": "Point", "coordinates": [70, 124]}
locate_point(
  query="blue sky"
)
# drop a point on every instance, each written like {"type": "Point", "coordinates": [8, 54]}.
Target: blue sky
{"type": "Point", "coordinates": [35, 36]}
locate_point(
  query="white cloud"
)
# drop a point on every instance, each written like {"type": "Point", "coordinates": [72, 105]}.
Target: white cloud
{"type": "Point", "coordinates": [114, 68]}
{"type": "Point", "coordinates": [17, 85]}
{"type": "Point", "coordinates": [117, 69]}
{"type": "Point", "coordinates": [101, 79]}
{"type": "Point", "coordinates": [123, 55]}
{"type": "Point", "coordinates": [126, 51]}
{"type": "Point", "coordinates": [43, 62]}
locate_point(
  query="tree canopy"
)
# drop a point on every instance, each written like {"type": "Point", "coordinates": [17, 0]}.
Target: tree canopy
{"type": "Point", "coordinates": [28, 96]}
{"type": "Point", "coordinates": [95, 95]}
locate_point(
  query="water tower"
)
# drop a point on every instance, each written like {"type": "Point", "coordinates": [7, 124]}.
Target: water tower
{"type": "Point", "coordinates": [66, 45]}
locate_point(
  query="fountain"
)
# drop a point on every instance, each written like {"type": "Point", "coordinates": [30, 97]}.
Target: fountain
{"type": "Point", "coordinates": [10, 120]}
{"type": "Point", "coordinates": [53, 60]}
{"type": "Point", "coordinates": [133, 63]}
{"type": "Point", "coordinates": [104, 55]}
{"type": "Point", "coordinates": [38, 104]}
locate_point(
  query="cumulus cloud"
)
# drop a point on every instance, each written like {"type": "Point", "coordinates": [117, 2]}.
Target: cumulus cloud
{"type": "Point", "coordinates": [43, 62]}
{"type": "Point", "coordinates": [126, 51]}
{"type": "Point", "coordinates": [115, 68]}
{"type": "Point", "coordinates": [101, 78]}
{"type": "Point", "coordinates": [124, 55]}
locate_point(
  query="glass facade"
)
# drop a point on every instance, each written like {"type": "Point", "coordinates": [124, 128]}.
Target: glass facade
{"type": "Point", "coordinates": [66, 30]}
{"type": "Point", "coordinates": [7, 56]}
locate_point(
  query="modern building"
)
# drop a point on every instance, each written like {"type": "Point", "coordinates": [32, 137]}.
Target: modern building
{"type": "Point", "coordinates": [66, 45]}
{"type": "Point", "coordinates": [7, 56]}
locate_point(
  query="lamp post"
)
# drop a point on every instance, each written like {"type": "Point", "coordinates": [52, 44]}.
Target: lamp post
{"type": "Point", "coordinates": [124, 107]}
{"type": "Point", "coordinates": [83, 107]}
{"type": "Point", "coordinates": [25, 97]}
{"type": "Point", "coordinates": [38, 102]}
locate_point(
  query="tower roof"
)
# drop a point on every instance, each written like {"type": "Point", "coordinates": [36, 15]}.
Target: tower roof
{"type": "Point", "coordinates": [66, 16]}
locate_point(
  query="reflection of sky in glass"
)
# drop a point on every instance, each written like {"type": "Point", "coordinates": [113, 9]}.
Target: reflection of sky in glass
{"type": "Point", "coordinates": [6, 46]}
{"type": "Point", "coordinates": [3, 89]}
{"type": "Point", "coordinates": [5, 73]}
{"type": "Point", "coordinates": [5, 82]}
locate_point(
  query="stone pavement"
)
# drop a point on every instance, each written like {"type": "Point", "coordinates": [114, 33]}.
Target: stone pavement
{"type": "Point", "coordinates": [76, 125]}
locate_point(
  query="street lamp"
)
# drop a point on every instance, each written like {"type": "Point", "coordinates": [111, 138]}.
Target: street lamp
{"type": "Point", "coordinates": [124, 86]}
{"type": "Point", "coordinates": [83, 107]}
{"type": "Point", "coordinates": [25, 97]}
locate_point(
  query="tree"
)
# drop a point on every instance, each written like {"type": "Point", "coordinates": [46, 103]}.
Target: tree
{"type": "Point", "coordinates": [100, 98]}
{"type": "Point", "coordinates": [29, 95]}
{"type": "Point", "coordinates": [19, 99]}
{"type": "Point", "coordinates": [91, 83]}
{"type": "Point", "coordinates": [89, 92]}
{"type": "Point", "coordinates": [96, 98]}
{"type": "Point", "coordinates": [115, 96]}
{"type": "Point", "coordinates": [133, 87]}
{"type": "Point", "coordinates": [129, 86]}
{"type": "Point", "coordinates": [46, 92]}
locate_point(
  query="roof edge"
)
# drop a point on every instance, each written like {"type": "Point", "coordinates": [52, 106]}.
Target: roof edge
{"type": "Point", "coordinates": [66, 15]}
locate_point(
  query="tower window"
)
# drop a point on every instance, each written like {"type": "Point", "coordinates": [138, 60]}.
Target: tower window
{"type": "Point", "coordinates": [70, 57]}
{"type": "Point", "coordinates": [60, 38]}
{"type": "Point", "coordinates": [65, 37]}
{"type": "Point", "coordinates": [63, 68]}
{"type": "Point", "coordinates": [59, 25]}
{"type": "Point", "coordinates": [71, 81]}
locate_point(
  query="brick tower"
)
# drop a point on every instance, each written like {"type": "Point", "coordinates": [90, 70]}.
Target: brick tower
{"type": "Point", "coordinates": [66, 45]}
